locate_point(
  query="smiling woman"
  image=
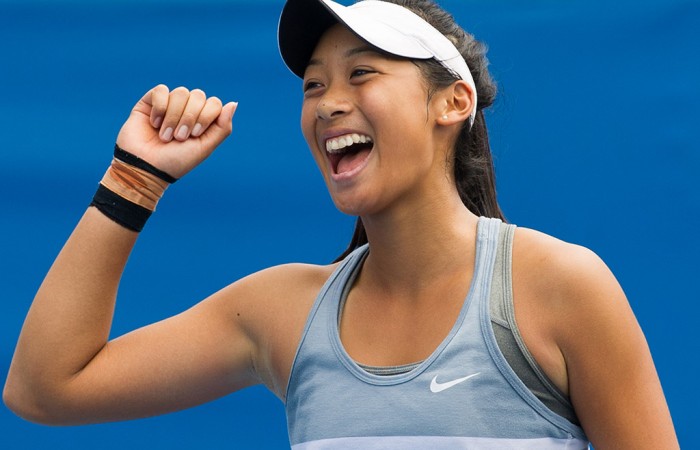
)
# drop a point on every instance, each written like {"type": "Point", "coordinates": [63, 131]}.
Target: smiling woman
{"type": "Point", "coordinates": [439, 324]}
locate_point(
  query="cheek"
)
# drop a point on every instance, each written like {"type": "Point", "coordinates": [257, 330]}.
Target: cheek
{"type": "Point", "coordinates": [400, 108]}
{"type": "Point", "coordinates": [307, 122]}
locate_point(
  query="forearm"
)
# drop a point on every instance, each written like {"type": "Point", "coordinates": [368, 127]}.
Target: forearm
{"type": "Point", "coordinates": [70, 318]}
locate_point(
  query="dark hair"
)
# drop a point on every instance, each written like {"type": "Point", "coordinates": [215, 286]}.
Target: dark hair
{"type": "Point", "coordinates": [473, 165]}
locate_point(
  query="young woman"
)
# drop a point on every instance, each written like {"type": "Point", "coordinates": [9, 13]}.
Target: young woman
{"type": "Point", "coordinates": [440, 327]}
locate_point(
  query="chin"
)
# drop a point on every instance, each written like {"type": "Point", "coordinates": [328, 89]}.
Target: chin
{"type": "Point", "coordinates": [356, 206]}
{"type": "Point", "coordinates": [359, 197]}
{"type": "Point", "coordinates": [351, 205]}
{"type": "Point", "coordinates": [349, 208]}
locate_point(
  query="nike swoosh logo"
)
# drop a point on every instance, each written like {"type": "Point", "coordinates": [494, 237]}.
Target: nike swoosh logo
{"type": "Point", "coordinates": [436, 387]}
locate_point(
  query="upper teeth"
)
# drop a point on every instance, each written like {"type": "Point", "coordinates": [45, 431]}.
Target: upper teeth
{"type": "Point", "coordinates": [340, 142]}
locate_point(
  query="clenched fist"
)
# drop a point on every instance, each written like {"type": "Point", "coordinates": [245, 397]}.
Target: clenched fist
{"type": "Point", "coordinates": [176, 130]}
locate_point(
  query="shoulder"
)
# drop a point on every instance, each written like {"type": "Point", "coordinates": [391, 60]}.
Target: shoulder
{"type": "Point", "coordinates": [260, 297]}
{"type": "Point", "coordinates": [286, 278]}
{"type": "Point", "coordinates": [255, 301]}
{"type": "Point", "coordinates": [563, 268]}
{"type": "Point", "coordinates": [579, 323]}
{"type": "Point", "coordinates": [550, 251]}
{"type": "Point", "coordinates": [560, 292]}
{"type": "Point", "coordinates": [271, 307]}
{"type": "Point", "coordinates": [570, 305]}
{"type": "Point", "coordinates": [570, 282]}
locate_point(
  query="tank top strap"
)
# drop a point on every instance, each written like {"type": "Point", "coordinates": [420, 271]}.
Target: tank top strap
{"type": "Point", "coordinates": [487, 235]}
{"type": "Point", "coordinates": [330, 293]}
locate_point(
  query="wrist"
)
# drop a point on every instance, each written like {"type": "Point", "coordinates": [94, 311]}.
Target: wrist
{"type": "Point", "coordinates": [130, 190]}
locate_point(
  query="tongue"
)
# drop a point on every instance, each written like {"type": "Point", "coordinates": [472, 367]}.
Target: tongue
{"type": "Point", "coordinates": [351, 161]}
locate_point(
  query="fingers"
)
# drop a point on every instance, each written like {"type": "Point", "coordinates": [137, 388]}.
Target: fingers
{"type": "Point", "coordinates": [180, 114]}
{"type": "Point", "coordinates": [194, 101]}
{"type": "Point", "coordinates": [211, 110]}
{"type": "Point", "coordinates": [158, 99]}
{"type": "Point", "coordinates": [221, 128]}
{"type": "Point", "coordinates": [177, 101]}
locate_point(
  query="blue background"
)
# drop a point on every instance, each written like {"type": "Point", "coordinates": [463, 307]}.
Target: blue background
{"type": "Point", "coordinates": [593, 135]}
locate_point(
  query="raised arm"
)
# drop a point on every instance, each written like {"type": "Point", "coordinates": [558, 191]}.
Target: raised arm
{"type": "Point", "coordinates": [64, 371]}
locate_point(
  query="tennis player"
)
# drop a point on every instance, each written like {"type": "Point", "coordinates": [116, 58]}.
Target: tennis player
{"type": "Point", "coordinates": [440, 327]}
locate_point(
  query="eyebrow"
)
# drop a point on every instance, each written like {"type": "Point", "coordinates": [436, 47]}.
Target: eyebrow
{"type": "Point", "coordinates": [347, 54]}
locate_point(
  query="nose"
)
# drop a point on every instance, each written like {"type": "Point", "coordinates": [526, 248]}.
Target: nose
{"type": "Point", "coordinates": [334, 104]}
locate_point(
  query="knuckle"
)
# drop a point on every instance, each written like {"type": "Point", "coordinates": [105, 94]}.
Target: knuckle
{"type": "Point", "coordinates": [159, 91]}
{"type": "Point", "coordinates": [159, 106]}
{"type": "Point", "coordinates": [180, 92]}
{"type": "Point", "coordinates": [198, 93]}
{"type": "Point", "coordinates": [159, 96]}
{"type": "Point", "coordinates": [171, 117]}
{"type": "Point", "coordinates": [215, 101]}
{"type": "Point", "coordinates": [188, 117]}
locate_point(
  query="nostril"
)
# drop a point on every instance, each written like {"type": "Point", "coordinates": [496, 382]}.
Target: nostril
{"type": "Point", "coordinates": [332, 106]}
{"type": "Point", "coordinates": [325, 115]}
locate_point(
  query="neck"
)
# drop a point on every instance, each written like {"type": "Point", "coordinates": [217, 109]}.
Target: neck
{"type": "Point", "coordinates": [416, 247]}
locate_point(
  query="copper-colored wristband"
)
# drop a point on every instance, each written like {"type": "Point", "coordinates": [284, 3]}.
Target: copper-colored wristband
{"type": "Point", "coordinates": [129, 194]}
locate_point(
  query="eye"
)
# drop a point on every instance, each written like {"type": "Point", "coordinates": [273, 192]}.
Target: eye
{"type": "Point", "coordinates": [360, 72]}
{"type": "Point", "coordinates": [309, 85]}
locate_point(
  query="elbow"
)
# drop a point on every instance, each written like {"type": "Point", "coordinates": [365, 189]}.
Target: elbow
{"type": "Point", "coordinates": [21, 405]}
{"type": "Point", "coordinates": [18, 403]}
{"type": "Point", "coordinates": [30, 406]}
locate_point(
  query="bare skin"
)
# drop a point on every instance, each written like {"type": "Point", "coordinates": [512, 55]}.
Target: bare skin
{"type": "Point", "coordinates": [572, 313]}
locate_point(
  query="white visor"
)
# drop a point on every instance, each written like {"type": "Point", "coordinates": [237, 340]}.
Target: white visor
{"type": "Point", "coordinates": [386, 26]}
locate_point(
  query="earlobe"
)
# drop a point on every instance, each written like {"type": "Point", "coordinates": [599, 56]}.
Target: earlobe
{"type": "Point", "coordinates": [445, 120]}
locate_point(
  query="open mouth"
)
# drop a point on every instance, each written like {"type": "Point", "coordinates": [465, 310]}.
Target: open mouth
{"type": "Point", "coordinates": [348, 152]}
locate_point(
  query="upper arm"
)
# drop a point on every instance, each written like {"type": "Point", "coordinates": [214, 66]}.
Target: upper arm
{"type": "Point", "coordinates": [184, 360]}
{"type": "Point", "coordinates": [612, 380]}
{"type": "Point", "coordinates": [214, 348]}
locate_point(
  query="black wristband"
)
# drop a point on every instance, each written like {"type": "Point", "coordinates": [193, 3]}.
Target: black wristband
{"type": "Point", "coordinates": [123, 155]}
{"type": "Point", "coordinates": [122, 211]}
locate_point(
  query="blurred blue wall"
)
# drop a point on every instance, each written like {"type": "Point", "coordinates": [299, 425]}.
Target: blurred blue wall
{"type": "Point", "coordinates": [593, 135]}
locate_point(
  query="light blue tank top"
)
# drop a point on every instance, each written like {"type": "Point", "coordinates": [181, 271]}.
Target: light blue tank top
{"type": "Point", "coordinates": [464, 395]}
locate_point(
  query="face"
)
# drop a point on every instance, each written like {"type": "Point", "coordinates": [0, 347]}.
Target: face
{"type": "Point", "coordinates": [370, 126]}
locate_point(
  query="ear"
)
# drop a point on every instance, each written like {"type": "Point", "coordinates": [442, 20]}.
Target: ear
{"type": "Point", "coordinates": [457, 103]}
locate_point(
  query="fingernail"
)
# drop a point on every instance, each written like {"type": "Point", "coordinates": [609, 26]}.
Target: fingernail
{"type": "Point", "coordinates": [182, 133]}
{"type": "Point", "coordinates": [158, 122]}
{"type": "Point", "coordinates": [168, 134]}
{"type": "Point", "coordinates": [233, 111]}
{"type": "Point", "coordinates": [197, 130]}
